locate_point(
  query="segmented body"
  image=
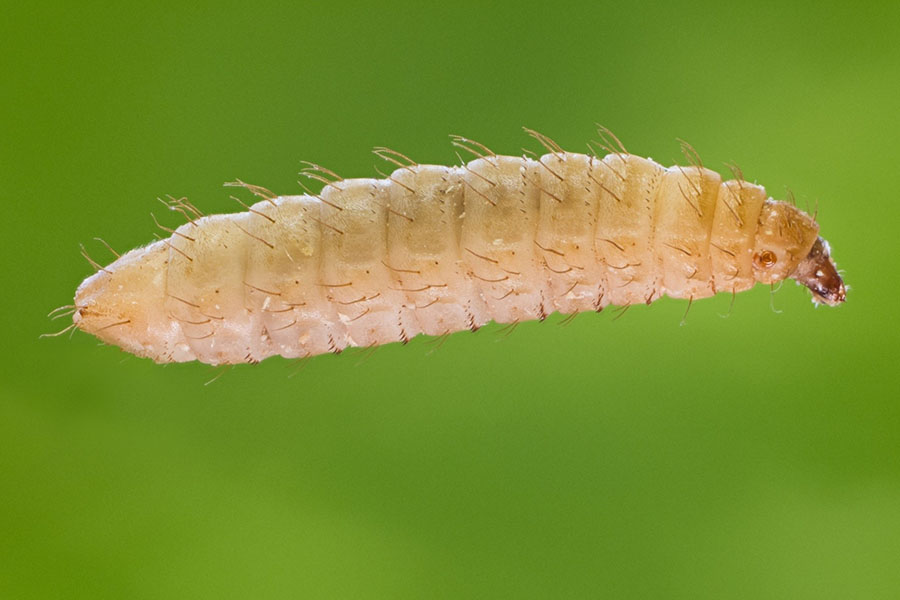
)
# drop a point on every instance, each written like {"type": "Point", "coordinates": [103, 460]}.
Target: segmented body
{"type": "Point", "coordinates": [437, 249]}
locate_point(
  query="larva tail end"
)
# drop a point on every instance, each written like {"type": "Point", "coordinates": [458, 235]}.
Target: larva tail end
{"type": "Point", "coordinates": [819, 273]}
{"type": "Point", "coordinates": [122, 304]}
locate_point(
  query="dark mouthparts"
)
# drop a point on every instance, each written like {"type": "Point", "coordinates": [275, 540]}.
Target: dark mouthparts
{"type": "Point", "coordinates": [818, 272]}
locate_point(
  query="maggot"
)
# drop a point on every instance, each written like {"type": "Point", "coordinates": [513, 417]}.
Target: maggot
{"type": "Point", "coordinates": [436, 249]}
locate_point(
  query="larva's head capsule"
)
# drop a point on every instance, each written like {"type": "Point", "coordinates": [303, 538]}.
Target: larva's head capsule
{"type": "Point", "coordinates": [819, 273]}
{"type": "Point", "coordinates": [788, 246]}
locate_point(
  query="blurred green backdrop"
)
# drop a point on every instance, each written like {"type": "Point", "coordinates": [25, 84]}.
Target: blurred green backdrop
{"type": "Point", "coordinates": [748, 456]}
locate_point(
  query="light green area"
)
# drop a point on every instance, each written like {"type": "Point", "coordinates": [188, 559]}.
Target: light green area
{"type": "Point", "coordinates": [752, 456]}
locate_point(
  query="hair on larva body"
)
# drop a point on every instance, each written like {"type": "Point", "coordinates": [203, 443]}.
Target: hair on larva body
{"type": "Point", "coordinates": [436, 249]}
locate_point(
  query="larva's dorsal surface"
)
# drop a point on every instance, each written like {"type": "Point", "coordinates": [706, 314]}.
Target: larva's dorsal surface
{"type": "Point", "coordinates": [435, 249]}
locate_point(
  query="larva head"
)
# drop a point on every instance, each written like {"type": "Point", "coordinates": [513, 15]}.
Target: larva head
{"type": "Point", "coordinates": [788, 246]}
{"type": "Point", "coordinates": [120, 304]}
{"type": "Point", "coordinates": [818, 272]}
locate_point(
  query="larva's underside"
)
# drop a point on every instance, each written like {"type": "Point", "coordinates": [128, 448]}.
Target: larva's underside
{"type": "Point", "coordinates": [435, 249]}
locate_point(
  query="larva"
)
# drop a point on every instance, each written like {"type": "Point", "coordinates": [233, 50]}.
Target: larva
{"type": "Point", "coordinates": [435, 249]}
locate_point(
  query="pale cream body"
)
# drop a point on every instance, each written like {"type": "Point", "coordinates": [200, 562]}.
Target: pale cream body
{"type": "Point", "coordinates": [434, 249]}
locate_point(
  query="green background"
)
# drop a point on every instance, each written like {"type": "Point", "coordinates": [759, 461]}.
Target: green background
{"type": "Point", "coordinates": [751, 456]}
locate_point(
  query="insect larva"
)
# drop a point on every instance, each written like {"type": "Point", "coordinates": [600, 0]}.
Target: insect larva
{"type": "Point", "coordinates": [435, 249]}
